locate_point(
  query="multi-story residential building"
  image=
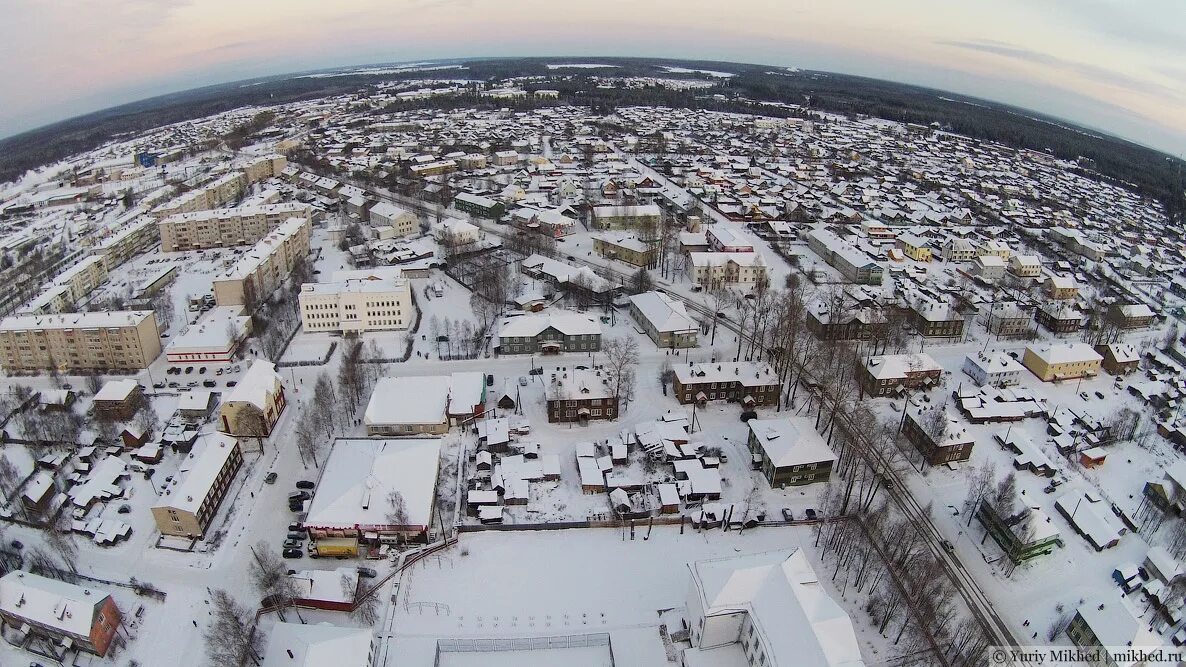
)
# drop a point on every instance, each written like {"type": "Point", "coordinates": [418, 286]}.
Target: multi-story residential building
{"type": "Point", "coordinates": [220, 192]}
{"type": "Point", "coordinates": [118, 399]}
{"type": "Point", "coordinates": [386, 214]}
{"type": "Point", "coordinates": [221, 228]}
{"type": "Point", "coordinates": [578, 395]}
{"type": "Point", "coordinates": [1023, 536]}
{"type": "Point", "coordinates": [265, 167]}
{"type": "Point", "coordinates": [1131, 316]}
{"type": "Point", "coordinates": [852, 262]}
{"type": "Point", "coordinates": [480, 206]}
{"type": "Point", "coordinates": [1025, 266]}
{"type": "Point", "coordinates": [749, 383]}
{"type": "Point", "coordinates": [892, 373]}
{"type": "Point", "coordinates": [958, 250]}
{"type": "Point", "coordinates": [856, 324]}
{"type": "Point", "coordinates": [937, 320]}
{"type": "Point", "coordinates": [80, 342]}
{"type": "Point", "coordinates": [254, 405]}
{"type": "Point", "coordinates": [125, 243]}
{"type": "Point", "coordinates": [774, 606]}
{"type": "Point", "coordinates": [990, 268]}
{"type": "Point", "coordinates": [380, 301]}
{"type": "Point", "coordinates": [995, 369]}
{"type": "Point", "coordinates": [626, 248]}
{"type": "Point", "coordinates": [664, 319]}
{"type": "Point", "coordinates": [1061, 288]}
{"type": "Point", "coordinates": [726, 268]}
{"type": "Point", "coordinates": [915, 247]}
{"type": "Point", "coordinates": [82, 278]}
{"type": "Point", "coordinates": [1119, 358]}
{"type": "Point", "coordinates": [506, 158]}
{"type": "Point", "coordinates": [726, 239]}
{"type": "Point", "coordinates": [938, 436]}
{"type": "Point", "coordinates": [69, 616]}
{"type": "Point", "coordinates": [994, 248]}
{"type": "Point", "coordinates": [1059, 318]}
{"type": "Point", "coordinates": [627, 216]}
{"type": "Point", "coordinates": [789, 451]}
{"type": "Point", "coordinates": [187, 508]}
{"type": "Point", "coordinates": [1107, 625]}
{"type": "Point", "coordinates": [1007, 320]}
{"type": "Point", "coordinates": [263, 268]}
{"type": "Point", "coordinates": [549, 334]}
{"type": "Point", "coordinates": [1052, 362]}
{"type": "Point", "coordinates": [433, 168]}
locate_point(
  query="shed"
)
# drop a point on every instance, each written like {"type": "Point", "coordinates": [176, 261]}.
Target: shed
{"type": "Point", "coordinates": [1092, 458]}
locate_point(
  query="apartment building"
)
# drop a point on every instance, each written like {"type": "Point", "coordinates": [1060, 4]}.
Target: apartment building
{"type": "Point", "coordinates": [615, 216]}
{"type": "Point", "coordinates": [263, 268]}
{"type": "Point", "coordinates": [1059, 318]}
{"type": "Point", "coordinates": [1062, 362]}
{"type": "Point", "coordinates": [69, 616]}
{"type": "Point", "coordinates": [268, 166]}
{"type": "Point", "coordinates": [377, 302]}
{"type": "Point", "coordinates": [915, 247]}
{"type": "Point", "coordinates": [1131, 316]}
{"type": "Point", "coordinates": [549, 334]}
{"type": "Point", "coordinates": [220, 192]}
{"type": "Point", "coordinates": [483, 207]}
{"type": "Point", "coordinates": [893, 373]}
{"type": "Point", "coordinates": [938, 436]}
{"type": "Point", "coordinates": [664, 319]}
{"type": "Point", "coordinates": [1061, 288]}
{"type": "Point", "coordinates": [80, 342]}
{"type": "Point", "coordinates": [386, 214]}
{"type": "Point", "coordinates": [937, 320]}
{"type": "Point", "coordinates": [187, 508]}
{"type": "Point", "coordinates": [626, 248]}
{"type": "Point", "coordinates": [852, 262]}
{"type": "Point", "coordinates": [1025, 266]}
{"type": "Point", "coordinates": [726, 268]}
{"type": "Point", "coordinates": [789, 452]}
{"type": "Point", "coordinates": [580, 395]}
{"type": "Point", "coordinates": [748, 383]}
{"type": "Point", "coordinates": [959, 250]}
{"type": "Point", "coordinates": [222, 228]}
{"type": "Point", "coordinates": [126, 242]}
{"type": "Point", "coordinates": [82, 278]}
{"type": "Point", "coordinates": [1007, 320]}
{"type": "Point", "coordinates": [858, 324]}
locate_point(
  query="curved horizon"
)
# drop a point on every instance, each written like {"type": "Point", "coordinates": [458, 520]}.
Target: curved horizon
{"type": "Point", "coordinates": [1099, 64]}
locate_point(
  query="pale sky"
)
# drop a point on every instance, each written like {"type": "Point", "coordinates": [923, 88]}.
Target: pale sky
{"type": "Point", "coordinates": [1114, 65]}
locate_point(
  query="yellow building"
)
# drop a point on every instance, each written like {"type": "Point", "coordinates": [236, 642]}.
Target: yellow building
{"type": "Point", "coordinates": [625, 247]}
{"type": "Point", "coordinates": [217, 193]}
{"type": "Point", "coordinates": [80, 342]}
{"type": "Point", "coordinates": [255, 404]}
{"type": "Point", "coordinates": [186, 509]}
{"type": "Point", "coordinates": [1052, 363]}
{"type": "Point", "coordinates": [264, 268]}
{"type": "Point", "coordinates": [220, 228]}
{"type": "Point", "coordinates": [915, 247]}
{"type": "Point", "coordinates": [1061, 288]}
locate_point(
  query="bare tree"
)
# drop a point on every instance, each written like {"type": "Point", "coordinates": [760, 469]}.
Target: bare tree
{"type": "Point", "coordinates": [397, 511]}
{"type": "Point", "coordinates": [269, 573]}
{"type": "Point", "coordinates": [981, 480]}
{"type": "Point", "coordinates": [366, 603]}
{"type": "Point", "coordinates": [1005, 500]}
{"type": "Point", "coordinates": [621, 355]}
{"type": "Point", "coordinates": [59, 537]}
{"type": "Point", "coordinates": [230, 637]}
{"type": "Point", "coordinates": [10, 477]}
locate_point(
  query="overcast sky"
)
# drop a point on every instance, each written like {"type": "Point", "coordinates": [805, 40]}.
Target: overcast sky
{"type": "Point", "coordinates": [1117, 66]}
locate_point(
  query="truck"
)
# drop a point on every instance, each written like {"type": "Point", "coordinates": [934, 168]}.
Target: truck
{"type": "Point", "coordinates": [339, 547]}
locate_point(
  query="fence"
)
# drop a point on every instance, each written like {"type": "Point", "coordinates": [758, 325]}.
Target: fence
{"type": "Point", "coordinates": [333, 345]}
{"type": "Point", "coordinates": [495, 645]}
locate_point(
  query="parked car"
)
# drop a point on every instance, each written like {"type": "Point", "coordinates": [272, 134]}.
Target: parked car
{"type": "Point", "coordinates": [947, 545]}
{"type": "Point", "coordinates": [189, 369]}
{"type": "Point", "coordinates": [191, 384]}
{"type": "Point", "coordinates": [367, 572]}
{"type": "Point", "coordinates": [202, 370]}
{"type": "Point", "coordinates": [294, 527]}
{"type": "Point", "coordinates": [124, 509]}
{"type": "Point", "coordinates": [297, 535]}
{"type": "Point", "coordinates": [174, 384]}
{"type": "Point", "coordinates": [291, 553]}
{"type": "Point", "coordinates": [810, 514]}
{"type": "Point", "coordinates": [209, 383]}
{"type": "Point", "coordinates": [298, 495]}
{"type": "Point", "coordinates": [292, 544]}
{"type": "Point", "coordinates": [304, 484]}
{"type": "Point", "coordinates": [522, 380]}
{"type": "Point", "coordinates": [1099, 394]}
{"type": "Point", "coordinates": [231, 383]}
{"type": "Point", "coordinates": [270, 478]}
{"type": "Point", "coordinates": [218, 371]}
{"type": "Point", "coordinates": [787, 514]}
{"type": "Point", "coordinates": [158, 385]}
{"type": "Point", "coordinates": [536, 371]}
{"type": "Point", "coordinates": [489, 380]}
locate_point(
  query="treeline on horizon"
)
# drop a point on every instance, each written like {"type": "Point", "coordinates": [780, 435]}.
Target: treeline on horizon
{"type": "Point", "coordinates": [1143, 169]}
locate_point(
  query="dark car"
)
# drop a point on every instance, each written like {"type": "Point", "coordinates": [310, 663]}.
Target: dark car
{"type": "Point", "coordinates": [298, 495]}
{"type": "Point", "coordinates": [571, 258]}
{"type": "Point", "coordinates": [271, 478]}
{"type": "Point", "coordinates": [490, 380]}
{"type": "Point", "coordinates": [810, 514]}
{"type": "Point", "coordinates": [367, 572]}
{"type": "Point", "coordinates": [292, 553]}
{"type": "Point", "coordinates": [748, 415]}
{"type": "Point", "coordinates": [294, 527]}
{"type": "Point", "coordinates": [231, 383]}
{"type": "Point", "coordinates": [1099, 394]}
{"type": "Point", "coordinates": [189, 369]}
{"type": "Point", "coordinates": [304, 484]}
{"type": "Point", "coordinates": [123, 509]}
{"type": "Point", "coordinates": [787, 514]}
{"type": "Point", "coordinates": [536, 371]}
{"type": "Point", "coordinates": [209, 383]}
{"type": "Point", "coordinates": [202, 370]}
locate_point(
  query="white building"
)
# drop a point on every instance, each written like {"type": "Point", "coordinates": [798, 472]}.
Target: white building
{"type": "Point", "coordinates": [376, 300]}
{"type": "Point", "coordinates": [997, 369]}
{"type": "Point", "coordinates": [774, 605]}
{"type": "Point", "coordinates": [726, 268]}
{"type": "Point", "coordinates": [386, 214]}
{"type": "Point", "coordinates": [454, 232]}
{"type": "Point", "coordinates": [988, 267]}
{"type": "Point", "coordinates": [409, 405]}
{"type": "Point", "coordinates": [317, 645]}
{"type": "Point", "coordinates": [213, 339]}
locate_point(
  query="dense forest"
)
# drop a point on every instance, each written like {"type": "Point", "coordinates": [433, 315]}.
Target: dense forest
{"type": "Point", "coordinates": [1144, 169]}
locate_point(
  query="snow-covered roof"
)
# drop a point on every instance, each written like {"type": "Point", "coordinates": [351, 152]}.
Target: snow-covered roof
{"type": "Point", "coordinates": [1064, 353]}
{"type": "Point", "coordinates": [260, 380]}
{"type": "Point", "coordinates": [212, 332]}
{"type": "Point", "coordinates": [317, 644]}
{"type": "Point", "coordinates": [576, 384]}
{"type": "Point", "coordinates": [799, 621]}
{"type": "Point", "coordinates": [1124, 352]}
{"type": "Point", "coordinates": [569, 324]}
{"type": "Point", "coordinates": [664, 313]}
{"type": "Point", "coordinates": [748, 373]}
{"type": "Point", "coordinates": [51, 603]}
{"type": "Point", "coordinates": [362, 472]}
{"type": "Point", "coordinates": [1115, 626]}
{"type": "Point", "coordinates": [201, 467]}
{"type": "Point", "coordinates": [409, 400]}
{"type": "Point", "coordinates": [1093, 518]}
{"type": "Point", "coordinates": [116, 390]}
{"type": "Point", "coordinates": [94, 320]}
{"type": "Point", "coordinates": [325, 585]}
{"type": "Point", "coordinates": [889, 366]}
{"type": "Point", "coordinates": [786, 444]}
